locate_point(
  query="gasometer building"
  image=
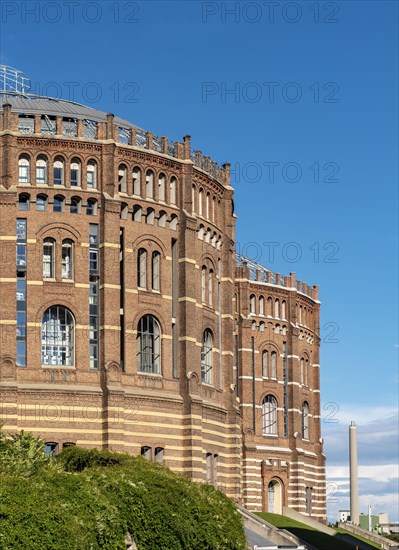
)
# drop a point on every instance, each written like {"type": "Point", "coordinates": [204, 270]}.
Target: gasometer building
{"type": "Point", "coordinates": [127, 320]}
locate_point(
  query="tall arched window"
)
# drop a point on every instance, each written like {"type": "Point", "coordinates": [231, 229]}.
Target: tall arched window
{"type": "Point", "coordinates": [304, 370]}
{"type": "Point", "coordinates": [142, 268]}
{"type": "Point", "coordinates": [200, 194]}
{"type": "Point", "coordinates": [203, 284]}
{"type": "Point", "coordinates": [193, 191]}
{"type": "Point", "coordinates": [283, 309]}
{"type": "Point", "coordinates": [269, 415]}
{"type": "Point", "coordinates": [67, 259]}
{"type": "Point", "coordinates": [136, 176]}
{"type": "Point", "coordinates": [161, 187]}
{"type": "Point", "coordinates": [277, 308]}
{"type": "Point", "coordinates": [24, 169]}
{"type": "Point", "coordinates": [41, 169]}
{"type": "Point", "coordinates": [58, 171]}
{"type": "Point", "coordinates": [273, 366]}
{"type": "Point", "coordinates": [261, 305]}
{"type": "Point", "coordinates": [122, 179]}
{"type": "Point", "coordinates": [252, 304]}
{"type": "Point", "coordinates": [210, 287]}
{"type": "Point", "coordinates": [265, 364]}
{"type": "Point", "coordinates": [207, 199]}
{"type": "Point", "coordinates": [206, 357]}
{"type": "Point", "coordinates": [149, 184]}
{"type": "Point", "coordinates": [148, 345]}
{"type": "Point", "coordinates": [49, 258]}
{"type": "Point", "coordinates": [91, 174]}
{"type": "Point", "coordinates": [75, 172]}
{"type": "Point", "coordinates": [58, 337]}
{"type": "Point", "coordinates": [156, 268]}
{"type": "Point", "coordinates": [305, 420]}
{"type": "Point", "coordinates": [172, 190]}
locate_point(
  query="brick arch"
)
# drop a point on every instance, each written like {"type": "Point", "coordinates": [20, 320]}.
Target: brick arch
{"type": "Point", "coordinates": [56, 301]}
{"type": "Point", "coordinates": [140, 243]}
{"type": "Point", "coordinates": [46, 230]}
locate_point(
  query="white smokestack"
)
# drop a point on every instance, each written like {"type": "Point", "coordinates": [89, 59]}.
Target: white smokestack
{"type": "Point", "coordinates": [354, 491]}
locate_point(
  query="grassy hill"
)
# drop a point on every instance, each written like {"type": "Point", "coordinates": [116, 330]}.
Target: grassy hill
{"type": "Point", "coordinates": [308, 534]}
{"type": "Point", "coordinates": [91, 500]}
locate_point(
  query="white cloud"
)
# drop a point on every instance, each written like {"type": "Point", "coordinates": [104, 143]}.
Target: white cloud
{"type": "Point", "coordinates": [378, 450]}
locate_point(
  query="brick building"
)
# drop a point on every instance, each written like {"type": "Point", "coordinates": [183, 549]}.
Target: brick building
{"type": "Point", "coordinates": [129, 323]}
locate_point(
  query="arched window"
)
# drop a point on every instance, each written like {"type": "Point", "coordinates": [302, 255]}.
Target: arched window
{"type": "Point", "coordinates": [124, 211]}
{"type": "Point", "coordinates": [58, 337]}
{"type": "Point", "coordinates": [162, 219]}
{"type": "Point", "coordinates": [149, 184]}
{"type": "Point", "coordinates": [210, 287]}
{"type": "Point", "coordinates": [58, 204]}
{"type": "Point", "coordinates": [206, 357]}
{"type": "Point", "coordinates": [146, 452]}
{"type": "Point", "coordinates": [142, 268]}
{"type": "Point", "coordinates": [262, 326]}
{"type": "Point", "coordinates": [91, 208]}
{"type": "Point", "coordinates": [150, 216]}
{"type": "Point", "coordinates": [136, 213]}
{"type": "Point", "coordinates": [172, 190]}
{"type": "Point", "coordinates": [161, 187]}
{"type": "Point", "coordinates": [203, 284]}
{"type": "Point", "coordinates": [252, 304]}
{"type": "Point", "coordinates": [273, 365]}
{"type": "Point", "coordinates": [149, 345]}
{"type": "Point", "coordinates": [75, 172]}
{"type": "Point", "coordinates": [200, 194]}
{"type": "Point", "coordinates": [67, 259]}
{"type": "Point", "coordinates": [193, 191]}
{"type": "Point", "coordinates": [261, 305]}
{"type": "Point", "coordinates": [265, 364]}
{"type": "Point", "coordinates": [304, 370]}
{"type": "Point", "coordinates": [41, 203]}
{"type": "Point", "coordinates": [305, 420]}
{"type": "Point", "coordinates": [136, 176]}
{"type": "Point", "coordinates": [41, 169]}
{"type": "Point", "coordinates": [201, 232]}
{"type": "Point", "coordinates": [156, 269]}
{"type": "Point", "coordinates": [300, 314]}
{"type": "Point", "coordinates": [122, 179]}
{"type": "Point", "coordinates": [277, 308]}
{"type": "Point", "coordinates": [269, 415]}
{"type": "Point", "coordinates": [49, 258]}
{"type": "Point", "coordinates": [58, 171]}
{"type": "Point", "coordinates": [24, 169]}
{"type": "Point", "coordinates": [283, 309]}
{"type": "Point", "coordinates": [207, 199]}
{"type": "Point", "coordinates": [23, 201]}
{"type": "Point", "coordinates": [75, 205]}
{"type": "Point", "coordinates": [91, 174]}
{"type": "Point", "coordinates": [213, 208]}
{"type": "Point", "coordinates": [208, 467]}
{"type": "Point", "coordinates": [173, 222]}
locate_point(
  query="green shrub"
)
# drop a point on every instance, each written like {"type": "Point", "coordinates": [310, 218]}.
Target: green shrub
{"type": "Point", "coordinates": [97, 497]}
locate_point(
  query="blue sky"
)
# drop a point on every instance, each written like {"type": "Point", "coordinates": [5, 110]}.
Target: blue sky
{"type": "Point", "coordinates": [310, 90]}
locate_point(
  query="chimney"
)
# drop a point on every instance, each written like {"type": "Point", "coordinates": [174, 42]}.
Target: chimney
{"type": "Point", "coordinates": [354, 491]}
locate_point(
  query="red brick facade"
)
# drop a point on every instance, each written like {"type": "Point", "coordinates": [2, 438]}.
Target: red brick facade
{"type": "Point", "coordinates": [165, 251]}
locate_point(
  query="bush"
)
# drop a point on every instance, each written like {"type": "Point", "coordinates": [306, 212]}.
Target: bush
{"type": "Point", "coordinates": [101, 496]}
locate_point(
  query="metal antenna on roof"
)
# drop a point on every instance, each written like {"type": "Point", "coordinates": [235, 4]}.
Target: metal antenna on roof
{"type": "Point", "coordinates": [13, 81]}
